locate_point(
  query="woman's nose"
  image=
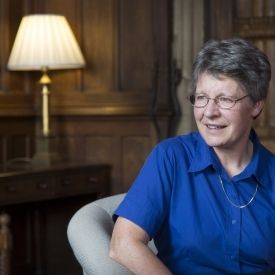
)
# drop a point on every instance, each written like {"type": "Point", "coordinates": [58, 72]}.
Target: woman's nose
{"type": "Point", "coordinates": [211, 109]}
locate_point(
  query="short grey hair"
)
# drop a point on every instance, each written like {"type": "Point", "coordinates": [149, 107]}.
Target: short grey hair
{"type": "Point", "coordinates": [238, 59]}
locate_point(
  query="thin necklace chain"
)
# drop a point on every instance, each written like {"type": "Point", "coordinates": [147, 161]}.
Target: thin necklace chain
{"type": "Point", "coordinates": [236, 205]}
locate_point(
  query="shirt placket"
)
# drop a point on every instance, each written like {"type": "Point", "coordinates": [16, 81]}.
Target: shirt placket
{"type": "Point", "coordinates": [233, 232]}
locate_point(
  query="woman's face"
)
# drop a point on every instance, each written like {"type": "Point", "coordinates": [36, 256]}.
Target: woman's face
{"type": "Point", "coordinates": [224, 128]}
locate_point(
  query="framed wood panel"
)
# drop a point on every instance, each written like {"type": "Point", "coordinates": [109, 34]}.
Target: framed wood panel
{"type": "Point", "coordinates": [126, 84]}
{"type": "Point", "coordinates": [255, 21]}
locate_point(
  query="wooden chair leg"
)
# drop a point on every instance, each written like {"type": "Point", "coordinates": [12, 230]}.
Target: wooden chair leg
{"type": "Point", "coordinates": [5, 245]}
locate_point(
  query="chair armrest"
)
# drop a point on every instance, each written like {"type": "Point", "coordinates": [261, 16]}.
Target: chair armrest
{"type": "Point", "coordinates": [89, 233]}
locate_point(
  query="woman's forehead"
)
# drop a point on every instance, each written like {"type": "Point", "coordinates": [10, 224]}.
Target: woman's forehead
{"type": "Point", "coordinates": [218, 83]}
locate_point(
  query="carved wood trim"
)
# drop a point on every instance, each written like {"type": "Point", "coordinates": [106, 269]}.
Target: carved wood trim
{"type": "Point", "coordinates": [255, 27]}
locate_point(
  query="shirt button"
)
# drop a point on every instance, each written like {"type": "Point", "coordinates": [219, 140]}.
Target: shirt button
{"type": "Point", "coordinates": [234, 221]}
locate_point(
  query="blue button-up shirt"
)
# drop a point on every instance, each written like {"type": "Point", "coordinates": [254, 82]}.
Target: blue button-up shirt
{"type": "Point", "coordinates": [179, 201]}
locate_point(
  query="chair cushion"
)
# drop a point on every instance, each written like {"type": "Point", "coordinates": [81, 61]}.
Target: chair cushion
{"type": "Point", "coordinates": [89, 233]}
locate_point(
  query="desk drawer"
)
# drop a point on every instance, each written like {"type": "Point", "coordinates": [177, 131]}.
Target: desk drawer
{"type": "Point", "coordinates": [23, 190]}
{"type": "Point", "coordinates": [78, 182]}
{"type": "Point", "coordinates": [53, 183]}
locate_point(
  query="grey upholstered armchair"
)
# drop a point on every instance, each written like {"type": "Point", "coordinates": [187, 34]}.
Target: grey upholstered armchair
{"type": "Point", "coordinates": [89, 233]}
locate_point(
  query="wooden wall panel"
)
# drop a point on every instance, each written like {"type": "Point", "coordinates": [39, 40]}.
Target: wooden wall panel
{"type": "Point", "coordinates": [121, 97]}
{"type": "Point", "coordinates": [134, 152]}
{"type": "Point", "coordinates": [113, 111]}
{"type": "Point", "coordinates": [255, 21]}
{"type": "Point", "coordinates": [123, 144]}
{"type": "Point", "coordinates": [99, 148]}
{"type": "Point", "coordinates": [16, 139]}
{"type": "Point", "coordinates": [99, 45]}
{"type": "Point", "coordinates": [136, 53]}
{"type": "Point", "coordinates": [3, 46]}
{"type": "Point", "coordinates": [116, 38]}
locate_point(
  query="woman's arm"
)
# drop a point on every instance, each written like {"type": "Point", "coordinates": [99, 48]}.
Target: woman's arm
{"type": "Point", "coordinates": [129, 248]}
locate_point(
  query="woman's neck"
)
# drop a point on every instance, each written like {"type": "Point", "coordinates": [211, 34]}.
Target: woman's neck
{"type": "Point", "coordinates": [235, 161]}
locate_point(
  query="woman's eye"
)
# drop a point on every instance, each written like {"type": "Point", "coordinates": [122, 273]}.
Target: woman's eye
{"type": "Point", "coordinates": [226, 99]}
{"type": "Point", "coordinates": [200, 97]}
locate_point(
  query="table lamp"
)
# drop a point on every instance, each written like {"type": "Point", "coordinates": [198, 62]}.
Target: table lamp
{"type": "Point", "coordinates": [45, 42]}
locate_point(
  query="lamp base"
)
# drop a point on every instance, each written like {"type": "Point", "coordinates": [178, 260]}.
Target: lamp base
{"type": "Point", "coordinates": [45, 156]}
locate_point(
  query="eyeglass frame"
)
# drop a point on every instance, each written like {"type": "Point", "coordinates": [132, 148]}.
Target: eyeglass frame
{"type": "Point", "coordinates": [216, 100]}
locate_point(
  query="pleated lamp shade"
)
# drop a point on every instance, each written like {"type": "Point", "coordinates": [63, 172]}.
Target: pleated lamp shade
{"type": "Point", "coordinates": [45, 41]}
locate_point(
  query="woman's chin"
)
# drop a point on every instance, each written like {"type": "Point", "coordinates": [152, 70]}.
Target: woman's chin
{"type": "Point", "coordinates": [214, 142]}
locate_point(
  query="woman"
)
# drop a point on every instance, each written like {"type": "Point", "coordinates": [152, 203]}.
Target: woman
{"type": "Point", "coordinates": [207, 198]}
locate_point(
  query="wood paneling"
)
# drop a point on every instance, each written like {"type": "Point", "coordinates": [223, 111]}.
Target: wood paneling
{"type": "Point", "coordinates": [136, 53]}
{"type": "Point", "coordinates": [134, 151]}
{"type": "Point", "coordinates": [120, 141]}
{"type": "Point", "coordinates": [16, 138]}
{"type": "Point", "coordinates": [113, 111]}
{"type": "Point", "coordinates": [255, 21]}
{"type": "Point", "coordinates": [117, 107]}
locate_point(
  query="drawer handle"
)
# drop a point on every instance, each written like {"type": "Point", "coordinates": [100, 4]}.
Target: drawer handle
{"type": "Point", "coordinates": [11, 188]}
{"type": "Point", "coordinates": [93, 180]}
{"type": "Point", "coordinates": [66, 182]}
{"type": "Point", "coordinates": [43, 185]}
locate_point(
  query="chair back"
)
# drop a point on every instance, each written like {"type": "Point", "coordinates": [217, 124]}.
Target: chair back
{"type": "Point", "coordinates": [89, 233]}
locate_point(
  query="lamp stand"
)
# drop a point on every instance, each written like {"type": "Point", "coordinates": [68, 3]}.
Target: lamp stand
{"type": "Point", "coordinates": [45, 81]}
{"type": "Point", "coordinates": [45, 154]}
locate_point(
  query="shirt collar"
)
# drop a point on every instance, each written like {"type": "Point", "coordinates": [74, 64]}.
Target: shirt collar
{"type": "Point", "coordinates": [205, 156]}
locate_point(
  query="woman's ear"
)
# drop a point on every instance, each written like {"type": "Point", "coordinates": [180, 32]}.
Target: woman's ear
{"type": "Point", "coordinates": [257, 108]}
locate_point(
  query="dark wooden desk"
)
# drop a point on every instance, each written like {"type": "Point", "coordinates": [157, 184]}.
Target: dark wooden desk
{"type": "Point", "coordinates": [40, 202]}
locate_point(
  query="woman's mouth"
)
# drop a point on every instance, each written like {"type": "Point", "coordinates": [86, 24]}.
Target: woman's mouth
{"type": "Point", "coordinates": [211, 126]}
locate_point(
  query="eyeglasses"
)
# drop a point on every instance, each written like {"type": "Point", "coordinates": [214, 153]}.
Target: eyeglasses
{"type": "Point", "coordinates": [224, 102]}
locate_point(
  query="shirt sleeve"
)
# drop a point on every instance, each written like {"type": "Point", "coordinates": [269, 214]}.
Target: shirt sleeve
{"type": "Point", "coordinates": [147, 202]}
